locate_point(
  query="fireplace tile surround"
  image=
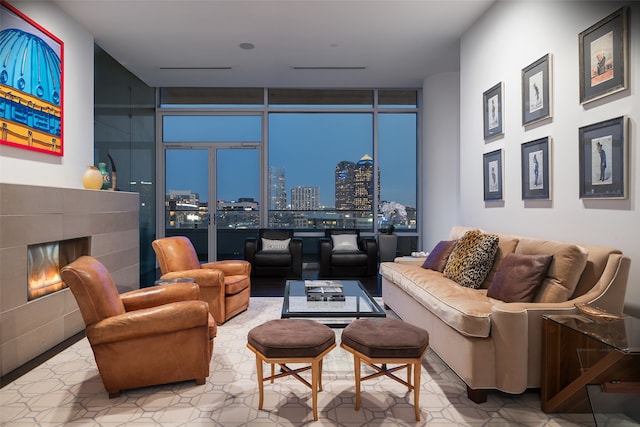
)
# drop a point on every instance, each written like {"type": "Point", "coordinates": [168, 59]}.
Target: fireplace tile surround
{"type": "Point", "coordinates": [37, 214]}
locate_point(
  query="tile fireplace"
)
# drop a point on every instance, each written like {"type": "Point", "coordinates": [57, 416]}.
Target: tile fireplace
{"type": "Point", "coordinates": [43, 229]}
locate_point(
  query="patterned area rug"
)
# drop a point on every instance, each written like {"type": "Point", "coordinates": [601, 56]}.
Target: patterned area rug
{"type": "Point", "coordinates": [67, 390]}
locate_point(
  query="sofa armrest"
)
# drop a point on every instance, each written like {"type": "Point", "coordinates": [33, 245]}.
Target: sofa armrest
{"type": "Point", "coordinates": [159, 295]}
{"type": "Point", "coordinates": [370, 246]}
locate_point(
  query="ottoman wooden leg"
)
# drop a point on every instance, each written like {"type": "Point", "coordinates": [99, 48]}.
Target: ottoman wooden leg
{"type": "Point", "coordinates": [260, 381]}
{"type": "Point", "coordinates": [356, 371]}
{"type": "Point", "coordinates": [416, 387]}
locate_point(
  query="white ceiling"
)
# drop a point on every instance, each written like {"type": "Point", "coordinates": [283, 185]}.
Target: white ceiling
{"type": "Point", "coordinates": [182, 42]}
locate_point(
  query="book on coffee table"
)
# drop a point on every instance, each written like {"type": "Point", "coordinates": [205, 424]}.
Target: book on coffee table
{"type": "Point", "coordinates": [323, 290]}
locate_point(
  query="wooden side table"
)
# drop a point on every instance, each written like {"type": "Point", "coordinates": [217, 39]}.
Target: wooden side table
{"type": "Point", "coordinates": [578, 350]}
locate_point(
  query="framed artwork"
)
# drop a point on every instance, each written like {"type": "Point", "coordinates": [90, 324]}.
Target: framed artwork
{"type": "Point", "coordinates": [604, 65]}
{"type": "Point", "coordinates": [535, 169]}
{"type": "Point", "coordinates": [603, 159]}
{"type": "Point", "coordinates": [31, 84]}
{"type": "Point", "coordinates": [536, 91]}
{"type": "Point", "coordinates": [492, 172]}
{"type": "Point", "coordinates": [492, 107]}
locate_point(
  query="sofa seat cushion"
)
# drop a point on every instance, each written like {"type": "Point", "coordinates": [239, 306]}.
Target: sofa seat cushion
{"type": "Point", "coordinates": [465, 309]}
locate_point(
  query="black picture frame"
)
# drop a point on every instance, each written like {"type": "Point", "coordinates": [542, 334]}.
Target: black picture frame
{"type": "Point", "coordinates": [536, 91]}
{"type": "Point", "coordinates": [536, 183]}
{"type": "Point", "coordinates": [492, 108]}
{"type": "Point", "coordinates": [603, 162]}
{"type": "Point", "coordinates": [604, 64]}
{"type": "Point", "coordinates": [492, 173]}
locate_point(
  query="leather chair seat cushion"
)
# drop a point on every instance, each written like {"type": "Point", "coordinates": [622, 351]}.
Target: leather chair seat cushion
{"type": "Point", "coordinates": [273, 259]}
{"type": "Point", "coordinates": [291, 338]}
{"type": "Point", "coordinates": [385, 338]}
{"type": "Point", "coordinates": [349, 258]}
{"type": "Point", "coordinates": [236, 284]}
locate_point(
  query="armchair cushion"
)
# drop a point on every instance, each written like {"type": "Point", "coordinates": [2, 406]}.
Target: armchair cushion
{"type": "Point", "coordinates": [269, 245]}
{"type": "Point", "coordinates": [345, 242]}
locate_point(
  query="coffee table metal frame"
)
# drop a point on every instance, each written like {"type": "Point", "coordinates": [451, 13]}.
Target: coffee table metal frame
{"type": "Point", "coordinates": [358, 303]}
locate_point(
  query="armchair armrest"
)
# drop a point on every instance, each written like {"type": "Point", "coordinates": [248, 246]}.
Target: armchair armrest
{"type": "Point", "coordinates": [250, 249]}
{"type": "Point", "coordinates": [203, 277]}
{"type": "Point", "coordinates": [172, 317]}
{"type": "Point", "coordinates": [326, 246]}
{"type": "Point", "coordinates": [159, 295]}
{"type": "Point", "coordinates": [370, 246]}
{"type": "Point", "coordinates": [295, 249]}
{"type": "Point", "coordinates": [230, 267]}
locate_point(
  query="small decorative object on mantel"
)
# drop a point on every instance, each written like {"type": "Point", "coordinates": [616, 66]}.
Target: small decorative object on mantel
{"type": "Point", "coordinates": [113, 174]}
{"type": "Point", "coordinates": [92, 178]}
{"type": "Point", "coordinates": [106, 178]}
{"type": "Point", "coordinates": [597, 312]}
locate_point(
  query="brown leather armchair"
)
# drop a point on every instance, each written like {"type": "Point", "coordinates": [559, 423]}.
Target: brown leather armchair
{"type": "Point", "coordinates": [150, 336]}
{"type": "Point", "coordinates": [224, 285]}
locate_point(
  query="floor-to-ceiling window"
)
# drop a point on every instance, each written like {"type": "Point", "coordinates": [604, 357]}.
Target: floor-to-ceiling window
{"type": "Point", "coordinates": [321, 159]}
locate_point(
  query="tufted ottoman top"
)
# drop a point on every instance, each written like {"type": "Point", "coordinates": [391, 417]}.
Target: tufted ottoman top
{"type": "Point", "coordinates": [386, 338]}
{"type": "Point", "coordinates": [295, 338]}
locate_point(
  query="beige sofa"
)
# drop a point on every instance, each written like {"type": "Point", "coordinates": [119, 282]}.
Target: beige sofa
{"type": "Point", "coordinates": [491, 344]}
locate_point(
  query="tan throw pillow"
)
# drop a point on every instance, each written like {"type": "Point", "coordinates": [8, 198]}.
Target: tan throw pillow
{"type": "Point", "coordinates": [439, 255]}
{"type": "Point", "coordinates": [471, 258]}
{"type": "Point", "coordinates": [519, 277]}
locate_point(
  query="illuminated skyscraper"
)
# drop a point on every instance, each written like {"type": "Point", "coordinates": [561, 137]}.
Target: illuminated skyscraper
{"type": "Point", "coordinates": [305, 198]}
{"type": "Point", "coordinates": [363, 184]}
{"type": "Point", "coordinates": [277, 190]}
{"type": "Point", "coordinates": [344, 176]}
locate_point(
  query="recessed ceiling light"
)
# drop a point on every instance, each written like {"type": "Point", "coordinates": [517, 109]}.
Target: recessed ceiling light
{"type": "Point", "coordinates": [329, 68]}
{"type": "Point", "coordinates": [247, 46]}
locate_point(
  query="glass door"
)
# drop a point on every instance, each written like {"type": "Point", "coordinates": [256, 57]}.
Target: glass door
{"type": "Point", "coordinates": [187, 196]}
{"type": "Point", "coordinates": [237, 195]}
{"type": "Point", "coordinates": [225, 182]}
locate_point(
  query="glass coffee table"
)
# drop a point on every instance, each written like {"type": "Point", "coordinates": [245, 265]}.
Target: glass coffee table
{"type": "Point", "coordinates": [357, 303]}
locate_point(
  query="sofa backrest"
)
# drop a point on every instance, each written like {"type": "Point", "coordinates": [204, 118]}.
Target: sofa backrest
{"type": "Point", "coordinates": [579, 269]}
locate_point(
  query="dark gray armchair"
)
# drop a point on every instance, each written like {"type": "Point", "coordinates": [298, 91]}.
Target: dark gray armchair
{"type": "Point", "coordinates": [348, 255]}
{"type": "Point", "coordinates": [275, 252]}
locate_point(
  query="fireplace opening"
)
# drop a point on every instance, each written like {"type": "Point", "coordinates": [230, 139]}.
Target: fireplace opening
{"type": "Point", "coordinates": [44, 261]}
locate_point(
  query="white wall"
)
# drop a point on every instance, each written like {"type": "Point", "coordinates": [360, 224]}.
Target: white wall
{"type": "Point", "coordinates": [20, 166]}
{"type": "Point", "coordinates": [510, 36]}
{"type": "Point", "coordinates": [440, 152]}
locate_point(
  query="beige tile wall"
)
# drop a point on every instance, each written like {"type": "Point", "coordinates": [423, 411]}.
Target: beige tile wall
{"type": "Point", "coordinates": [34, 214]}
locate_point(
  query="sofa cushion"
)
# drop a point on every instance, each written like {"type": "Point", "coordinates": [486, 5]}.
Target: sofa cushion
{"type": "Point", "coordinates": [471, 258]}
{"type": "Point", "coordinates": [437, 258]}
{"type": "Point", "coordinates": [464, 309]}
{"type": "Point", "coordinates": [506, 245]}
{"type": "Point", "coordinates": [519, 277]}
{"type": "Point", "coordinates": [564, 272]}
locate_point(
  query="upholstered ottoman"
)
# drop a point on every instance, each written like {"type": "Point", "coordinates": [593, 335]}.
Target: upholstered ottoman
{"type": "Point", "coordinates": [283, 341]}
{"type": "Point", "coordinates": [387, 341]}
